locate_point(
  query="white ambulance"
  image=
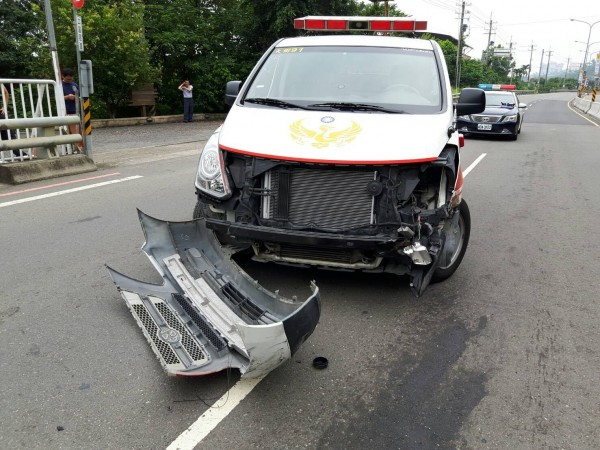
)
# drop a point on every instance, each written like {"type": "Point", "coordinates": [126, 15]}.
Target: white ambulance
{"type": "Point", "coordinates": [340, 151]}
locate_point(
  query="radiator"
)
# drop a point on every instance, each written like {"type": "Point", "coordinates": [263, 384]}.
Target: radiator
{"type": "Point", "coordinates": [319, 198]}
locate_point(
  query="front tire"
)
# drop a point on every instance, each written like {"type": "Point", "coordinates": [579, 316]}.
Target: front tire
{"type": "Point", "coordinates": [457, 239]}
{"type": "Point", "coordinates": [203, 210]}
{"type": "Point", "coordinates": [199, 210]}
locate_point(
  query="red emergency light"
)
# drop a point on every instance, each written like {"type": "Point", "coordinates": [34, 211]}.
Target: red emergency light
{"type": "Point", "coordinates": [334, 23]}
{"type": "Point", "coordinates": [498, 87]}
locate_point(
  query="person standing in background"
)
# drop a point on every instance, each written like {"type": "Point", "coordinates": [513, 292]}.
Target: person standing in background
{"type": "Point", "coordinates": [188, 101]}
{"type": "Point", "coordinates": [71, 91]}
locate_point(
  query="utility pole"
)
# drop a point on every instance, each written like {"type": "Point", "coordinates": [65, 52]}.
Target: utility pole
{"type": "Point", "coordinates": [510, 46]}
{"type": "Point", "coordinates": [60, 104]}
{"type": "Point", "coordinates": [459, 49]}
{"type": "Point", "coordinates": [487, 51]}
{"type": "Point", "coordinates": [530, 59]}
{"type": "Point", "coordinates": [540, 72]}
{"type": "Point", "coordinates": [548, 65]}
{"type": "Point", "coordinates": [566, 70]}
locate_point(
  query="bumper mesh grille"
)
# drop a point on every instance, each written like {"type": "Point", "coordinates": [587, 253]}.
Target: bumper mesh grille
{"type": "Point", "coordinates": [187, 341]}
{"type": "Point", "coordinates": [146, 320]}
{"type": "Point", "coordinates": [321, 198]}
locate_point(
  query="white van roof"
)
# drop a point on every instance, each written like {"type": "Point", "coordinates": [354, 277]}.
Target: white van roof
{"type": "Point", "coordinates": [356, 41]}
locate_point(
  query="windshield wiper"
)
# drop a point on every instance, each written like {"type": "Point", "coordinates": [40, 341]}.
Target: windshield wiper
{"type": "Point", "coordinates": [355, 107]}
{"type": "Point", "coordinates": [272, 102]}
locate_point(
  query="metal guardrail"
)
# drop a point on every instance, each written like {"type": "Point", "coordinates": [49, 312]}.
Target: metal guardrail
{"type": "Point", "coordinates": [35, 124]}
{"type": "Point", "coordinates": [46, 136]}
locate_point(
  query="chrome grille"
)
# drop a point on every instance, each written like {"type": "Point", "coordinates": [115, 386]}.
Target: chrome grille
{"type": "Point", "coordinates": [320, 198]}
{"type": "Point", "coordinates": [486, 119]}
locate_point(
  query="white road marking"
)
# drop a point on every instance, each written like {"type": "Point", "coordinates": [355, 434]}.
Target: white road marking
{"type": "Point", "coordinates": [49, 186]}
{"type": "Point", "coordinates": [68, 191]}
{"type": "Point", "coordinates": [473, 164]}
{"type": "Point", "coordinates": [213, 415]}
{"type": "Point", "coordinates": [581, 114]}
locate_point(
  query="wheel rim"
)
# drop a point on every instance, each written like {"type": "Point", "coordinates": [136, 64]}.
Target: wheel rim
{"type": "Point", "coordinates": [454, 243]}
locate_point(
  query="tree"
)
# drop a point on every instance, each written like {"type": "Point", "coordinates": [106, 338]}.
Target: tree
{"type": "Point", "coordinates": [521, 72]}
{"type": "Point", "coordinates": [449, 50]}
{"type": "Point", "coordinates": [473, 72]}
{"type": "Point", "coordinates": [114, 42]}
{"type": "Point", "coordinates": [19, 23]}
{"type": "Point", "coordinates": [200, 42]}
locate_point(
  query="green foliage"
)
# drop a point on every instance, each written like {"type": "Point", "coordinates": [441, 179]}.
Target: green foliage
{"type": "Point", "coordinates": [19, 37]}
{"type": "Point", "coordinates": [113, 35]}
{"type": "Point", "coordinates": [449, 50]}
{"type": "Point", "coordinates": [164, 42]}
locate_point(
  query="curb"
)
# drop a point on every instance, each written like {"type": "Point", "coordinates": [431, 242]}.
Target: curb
{"type": "Point", "coordinates": [130, 121]}
{"type": "Point", "coordinates": [36, 170]}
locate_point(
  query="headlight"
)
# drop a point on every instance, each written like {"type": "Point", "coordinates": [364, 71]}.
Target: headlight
{"type": "Point", "coordinates": [510, 118]}
{"type": "Point", "coordinates": [211, 177]}
{"type": "Point", "coordinates": [208, 166]}
{"type": "Point", "coordinates": [464, 117]}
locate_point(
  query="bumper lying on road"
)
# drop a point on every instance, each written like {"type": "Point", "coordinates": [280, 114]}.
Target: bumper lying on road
{"type": "Point", "coordinates": [209, 315]}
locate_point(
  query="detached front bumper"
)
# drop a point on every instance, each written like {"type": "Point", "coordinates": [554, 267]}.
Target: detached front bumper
{"type": "Point", "coordinates": [209, 315]}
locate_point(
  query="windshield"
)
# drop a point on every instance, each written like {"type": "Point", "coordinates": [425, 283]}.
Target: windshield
{"type": "Point", "coordinates": [396, 79]}
{"type": "Point", "coordinates": [499, 99]}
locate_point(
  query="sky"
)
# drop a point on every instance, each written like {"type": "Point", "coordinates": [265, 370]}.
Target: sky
{"type": "Point", "coordinates": [544, 24]}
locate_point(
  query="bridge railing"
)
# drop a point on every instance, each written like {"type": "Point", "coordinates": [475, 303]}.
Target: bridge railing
{"type": "Point", "coordinates": [34, 123]}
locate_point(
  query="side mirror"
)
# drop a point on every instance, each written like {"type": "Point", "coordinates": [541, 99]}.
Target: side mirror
{"type": "Point", "coordinates": [470, 101]}
{"type": "Point", "coordinates": [522, 105]}
{"type": "Point", "coordinates": [232, 89]}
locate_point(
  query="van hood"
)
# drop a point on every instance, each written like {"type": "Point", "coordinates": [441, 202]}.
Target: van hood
{"type": "Point", "coordinates": [334, 136]}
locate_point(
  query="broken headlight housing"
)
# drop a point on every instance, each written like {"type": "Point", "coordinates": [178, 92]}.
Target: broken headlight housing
{"type": "Point", "coordinates": [211, 177]}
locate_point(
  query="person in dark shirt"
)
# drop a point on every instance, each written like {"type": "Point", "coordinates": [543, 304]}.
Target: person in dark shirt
{"type": "Point", "coordinates": [70, 90]}
{"type": "Point", "coordinates": [71, 93]}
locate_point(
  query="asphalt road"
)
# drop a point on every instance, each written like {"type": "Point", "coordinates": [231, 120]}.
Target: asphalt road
{"type": "Point", "coordinates": [504, 355]}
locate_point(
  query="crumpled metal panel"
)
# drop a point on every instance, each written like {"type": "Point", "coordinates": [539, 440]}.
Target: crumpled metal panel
{"type": "Point", "coordinates": [209, 315]}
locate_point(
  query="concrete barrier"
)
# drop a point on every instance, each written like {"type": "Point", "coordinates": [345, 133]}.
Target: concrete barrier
{"type": "Point", "coordinates": [36, 170]}
{"type": "Point", "coordinates": [595, 110]}
{"type": "Point", "coordinates": [582, 104]}
{"type": "Point", "coordinates": [44, 137]}
{"type": "Point", "coordinates": [131, 121]}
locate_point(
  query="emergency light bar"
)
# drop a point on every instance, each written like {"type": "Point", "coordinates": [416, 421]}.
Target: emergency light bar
{"type": "Point", "coordinates": [498, 87]}
{"type": "Point", "coordinates": [335, 23]}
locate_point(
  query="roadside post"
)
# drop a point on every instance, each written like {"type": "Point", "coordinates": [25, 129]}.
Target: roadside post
{"type": "Point", "coordinates": [596, 74]}
{"type": "Point", "coordinates": [85, 80]}
{"type": "Point", "coordinates": [86, 86]}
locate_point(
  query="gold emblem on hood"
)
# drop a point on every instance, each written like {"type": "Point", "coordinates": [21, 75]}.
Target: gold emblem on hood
{"type": "Point", "coordinates": [323, 134]}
